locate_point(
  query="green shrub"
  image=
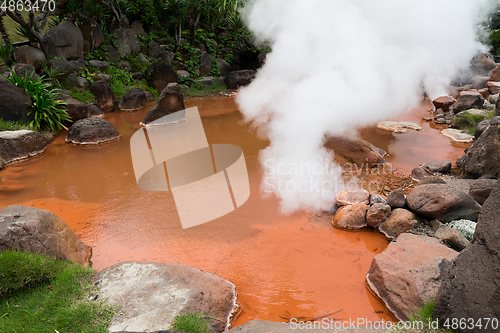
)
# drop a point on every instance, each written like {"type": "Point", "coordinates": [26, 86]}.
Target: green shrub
{"type": "Point", "coordinates": [46, 109]}
{"type": "Point", "coordinates": [7, 54]}
{"type": "Point", "coordinates": [190, 323]}
{"type": "Point", "coordinates": [83, 96]}
{"type": "Point", "coordinates": [12, 125]}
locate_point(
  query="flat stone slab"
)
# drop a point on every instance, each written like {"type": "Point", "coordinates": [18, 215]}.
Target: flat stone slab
{"type": "Point", "coordinates": [457, 135]}
{"type": "Point", "coordinates": [398, 126]}
{"type": "Point", "coordinates": [151, 294]}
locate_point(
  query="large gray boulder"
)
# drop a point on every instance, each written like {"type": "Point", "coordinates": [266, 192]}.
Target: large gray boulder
{"type": "Point", "coordinates": [104, 95]}
{"type": "Point", "coordinates": [111, 53]}
{"type": "Point", "coordinates": [91, 131]}
{"type": "Point", "coordinates": [159, 75]}
{"type": "Point", "coordinates": [24, 70]}
{"type": "Point", "coordinates": [76, 110]}
{"type": "Point", "coordinates": [442, 202]}
{"type": "Point", "coordinates": [205, 63]}
{"type": "Point", "coordinates": [170, 101]}
{"type": "Point", "coordinates": [40, 231]}
{"type": "Point", "coordinates": [92, 34]}
{"type": "Point", "coordinates": [409, 272]}
{"type": "Point", "coordinates": [78, 83]}
{"type": "Point", "coordinates": [468, 100]}
{"type": "Point", "coordinates": [134, 99]}
{"type": "Point", "coordinates": [65, 41]}
{"type": "Point", "coordinates": [483, 157]}
{"type": "Point", "coordinates": [15, 102]}
{"type": "Point", "coordinates": [150, 295]}
{"type": "Point", "coordinates": [482, 63]}
{"type": "Point", "coordinates": [62, 66]}
{"type": "Point", "coordinates": [128, 43]}
{"type": "Point", "coordinates": [241, 78]}
{"type": "Point", "coordinates": [17, 145]}
{"type": "Point", "coordinates": [472, 287]}
{"type": "Point", "coordinates": [223, 67]}
{"type": "Point", "coordinates": [30, 55]}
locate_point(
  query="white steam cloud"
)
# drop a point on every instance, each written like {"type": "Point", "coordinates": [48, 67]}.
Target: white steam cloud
{"type": "Point", "coordinates": [337, 65]}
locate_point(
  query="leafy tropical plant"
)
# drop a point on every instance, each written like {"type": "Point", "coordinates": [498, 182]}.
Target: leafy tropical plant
{"type": "Point", "coordinates": [47, 109]}
{"type": "Point", "coordinates": [7, 54]}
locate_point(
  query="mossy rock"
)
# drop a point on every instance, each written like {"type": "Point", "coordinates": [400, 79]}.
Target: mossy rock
{"type": "Point", "coordinates": [468, 120]}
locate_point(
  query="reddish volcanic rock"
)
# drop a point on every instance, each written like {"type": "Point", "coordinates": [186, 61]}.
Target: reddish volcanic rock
{"type": "Point", "coordinates": [409, 272]}
{"type": "Point", "coordinates": [444, 103]}
{"type": "Point", "coordinates": [377, 213]}
{"type": "Point", "coordinates": [468, 100]}
{"type": "Point", "coordinates": [400, 221]}
{"type": "Point", "coordinates": [396, 199]}
{"type": "Point", "coordinates": [442, 202]}
{"type": "Point", "coordinates": [350, 197]}
{"type": "Point", "coordinates": [495, 76]}
{"type": "Point", "coordinates": [356, 150]}
{"type": "Point", "coordinates": [493, 87]}
{"type": "Point", "coordinates": [351, 217]}
{"type": "Point", "coordinates": [452, 237]}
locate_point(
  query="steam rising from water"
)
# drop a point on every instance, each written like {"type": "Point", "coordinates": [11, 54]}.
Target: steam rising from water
{"type": "Point", "coordinates": [337, 65]}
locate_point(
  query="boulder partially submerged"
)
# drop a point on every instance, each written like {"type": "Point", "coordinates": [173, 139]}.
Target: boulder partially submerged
{"type": "Point", "coordinates": [150, 295]}
{"type": "Point", "coordinates": [409, 272]}
{"type": "Point", "coordinates": [40, 231]}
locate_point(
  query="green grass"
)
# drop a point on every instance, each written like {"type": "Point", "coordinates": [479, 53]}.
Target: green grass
{"type": "Point", "coordinates": [422, 315]}
{"type": "Point", "coordinates": [12, 125]}
{"type": "Point", "coordinates": [468, 122]}
{"type": "Point", "coordinates": [41, 294]}
{"type": "Point", "coordinates": [190, 323]}
{"type": "Point", "coordinates": [198, 90]}
{"type": "Point", "coordinates": [83, 96]}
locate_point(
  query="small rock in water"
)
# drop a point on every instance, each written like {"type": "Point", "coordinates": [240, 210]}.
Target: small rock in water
{"type": "Point", "coordinates": [377, 214]}
{"type": "Point", "coordinates": [376, 198]}
{"type": "Point", "coordinates": [419, 173]}
{"type": "Point", "coordinates": [444, 103]}
{"type": "Point", "coordinates": [396, 199]}
{"type": "Point", "coordinates": [351, 216]}
{"type": "Point", "coordinates": [457, 135]}
{"type": "Point", "coordinates": [400, 221]}
{"type": "Point", "coordinates": [350, 197]}
{"type": "Point", "coordinates": [398, 126]}
{"type": "Point", "coordinates": [438, 166]}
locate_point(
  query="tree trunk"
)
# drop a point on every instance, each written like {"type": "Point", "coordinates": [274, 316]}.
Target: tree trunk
{"type": "Point", "coordinates": [3, 31]}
